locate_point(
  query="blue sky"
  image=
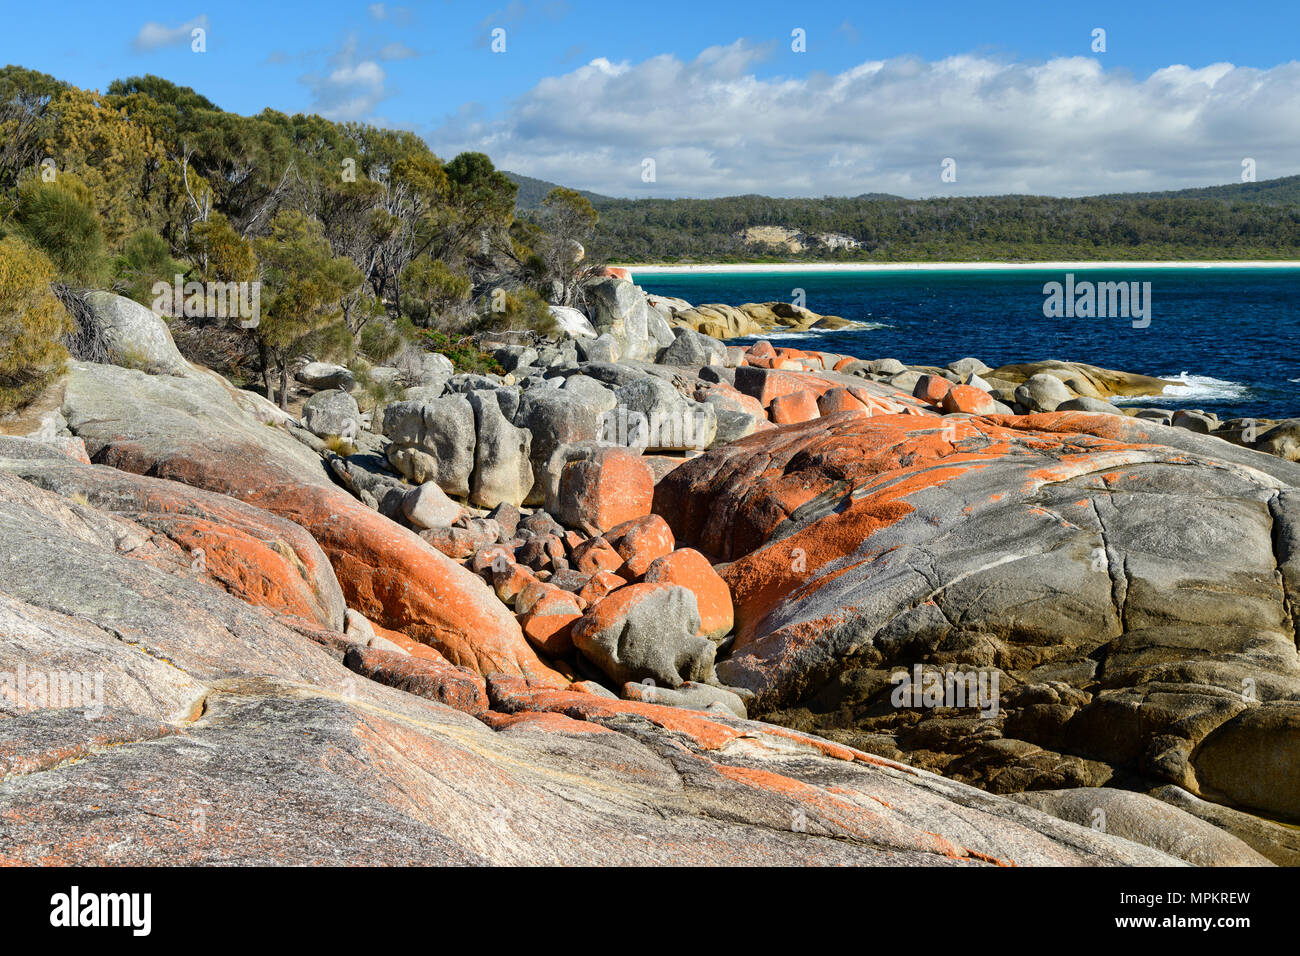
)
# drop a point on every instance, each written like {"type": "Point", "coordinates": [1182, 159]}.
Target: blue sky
{"type": "Point", "coordinates": [585, 92]}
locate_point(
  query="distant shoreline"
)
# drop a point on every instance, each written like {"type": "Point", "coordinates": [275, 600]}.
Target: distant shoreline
{"type": "Point", "coordinates": [761, 267]}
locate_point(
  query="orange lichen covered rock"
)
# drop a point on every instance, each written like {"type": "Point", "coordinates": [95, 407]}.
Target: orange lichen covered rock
{"type": "Point", "coordinates": [690, 569]}
{"type": "Point", "coordinates": [436, 679]}
{"type": "Point", "coordinates": [839, 400]}
{"type": "Point", "coordinates": [639, 543]}
{"type": "Point", "coordinates": [931, 388]}
{"type": "Point", "coordinates": [600, 584]}
{"type": "Point", "coordinates": [795, 407]}
{"type": "Point", "coordinates": [611, 486]}
{"type": "Point", "coordinates": [596, 554]}
{"type": "Point", "coordinates": [968, 398]}
{"type": "Point", "coordinates": [547, 618]}
{"type": "Point", "coordinates": [191, 430]}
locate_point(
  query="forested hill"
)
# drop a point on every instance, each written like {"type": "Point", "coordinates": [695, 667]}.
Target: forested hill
{"type": "Point", "coordinates": [533, 191]}
{"type": "Point", "coordinates": [1243, 221]}
{"type": "Point", "coordinates": [1277, 192]}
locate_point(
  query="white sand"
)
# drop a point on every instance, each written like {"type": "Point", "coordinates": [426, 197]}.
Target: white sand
{"type": "Point", "coordinates": [950, 266]}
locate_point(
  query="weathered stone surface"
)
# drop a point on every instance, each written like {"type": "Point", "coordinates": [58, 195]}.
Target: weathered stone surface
{"type": "Point", "coordinates": [1145, 820]}
{"type": "Point", "coordinates": [572, 322]}
{"type": "Point", "coordinates": [640, 542]}
{"type": "Point", "coordinates": [931, 388]}
{"type": "Point", "coordinates": [192, 431]}
{"type": "Point", "coordinates": [323, 375]}
{"type": "Point", "coordinates": [1042, 548]}
{"type": "Point", "coordinates": [659, 417]}
{"type": "Point", "coordinates": [689, 347]}
{"type": "Point", "coordinates": [969, 399]}
{"type": "Point", "coordinates": [793, 408]}
{"type": "Point", "coordinates": [616, 307]}
{"type": "Point", "coordinates": [134, 336]}
{"type": "Point", "coordinates": [605, 489]}
{"type": "Point", "coordinates": [554, 418]}
{"type": "Point", "coordinates": [433, 441]}
{"type": "Point", "coordinates": [332, 412]}
{"type": "Point", "coordinates": [547, 614]}
{"type": "Point", "coordinates": [1087, 380]}
{"type": "Point", "coordinates": [427, 506]}
{"type": "Point", "coordinates": [646, 631]}
{"type": "Point", "coordinates": [503, 471]}
{"type": "Point", "coordinates": [295, 743]}
{"type": "Point", "coordinates": [690, 695]}
{"type": "Point", "coordinates": [1278, 842]}
{"type": "Point", "coordinates": [262, 559]}
{"type": "Point", "coordinates": [1043, 393]}
{"type": "Point", "coordinates": [457, 687]}
{"type": "Point", "coordinates": [687, 568]}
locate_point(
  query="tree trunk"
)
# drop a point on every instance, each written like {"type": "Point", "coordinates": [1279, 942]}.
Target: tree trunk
{"type": "Point", "coordinates": [284, 386]}
{"type": "Point", "coordinates": [266, 370]}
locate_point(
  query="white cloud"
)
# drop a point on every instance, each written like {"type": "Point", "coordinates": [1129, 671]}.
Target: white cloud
{"type": "Point", "coordinates": [352, 88]}
{"type": "Point", "coordinates": [396, 51]}
{"type": "Point", "coordinates": [1063, 127]}
{"type": "Point", "coordinates": [155, 36]}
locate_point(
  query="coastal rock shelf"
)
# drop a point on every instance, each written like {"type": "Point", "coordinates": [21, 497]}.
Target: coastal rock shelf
{"type": "Point", "coordinates": [644, 598]}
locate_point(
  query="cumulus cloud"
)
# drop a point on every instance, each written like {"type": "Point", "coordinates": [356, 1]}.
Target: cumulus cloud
{"type": "Point", "coordinates": [352, 87]}
{"type": "Point", "coordinates": [1061, 127]}
{"type": "Point", "coordinates": [155, 36]}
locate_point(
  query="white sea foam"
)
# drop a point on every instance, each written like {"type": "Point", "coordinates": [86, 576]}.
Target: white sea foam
{"type": "Point", "coordinates": [818, 333]}
{"type": "Point", "coordinates": [1192, 388]}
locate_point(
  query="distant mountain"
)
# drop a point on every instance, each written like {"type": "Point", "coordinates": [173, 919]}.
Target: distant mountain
{"type": "Point", "coordinates": [1273, 192]}
{"type": "Point", "coordinates": [533, 191]}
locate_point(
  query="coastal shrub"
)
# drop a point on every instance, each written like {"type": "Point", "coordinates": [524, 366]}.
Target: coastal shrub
{"type": "Point", "coordinates": [516, 310]}
{"type": "Point", "coordinates": [433, 295]}
{"type": "Point", "coordinates": [59, 218]}
{"type": "Point", "coordinates": [382, 340]}
{"type": "Point", "coordinates": [145, 259]}
{"type": "Point", "coordinates": [463, 353]}
{"type": "Point", "coordinates": [32, 324]}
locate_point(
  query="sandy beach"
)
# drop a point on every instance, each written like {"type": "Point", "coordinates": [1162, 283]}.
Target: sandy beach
{"type": "Point", "coordinates": [762, 267]}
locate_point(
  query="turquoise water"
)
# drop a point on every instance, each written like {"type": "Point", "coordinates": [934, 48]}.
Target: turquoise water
{"type": "Point", "coordinates": [1231, 336]}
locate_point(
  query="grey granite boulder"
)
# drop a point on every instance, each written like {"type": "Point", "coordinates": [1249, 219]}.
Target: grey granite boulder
{"type": "Point", "coordinates": [134, 336]}
{"type": "Point", "coordinates": [503, 471]}
{"type": "Point", "coordinates": [693, 348]}
{"type": "Point", "coordinates": [322, 375]}
{"type": "Point", "coordinates": [332, 412]}
{"type": "Point", "coordinates": [433, 441]}
{"type": "Point", "coordinates": [646, 632]}
{"type": "Point", "coordinates": [1043, 393]}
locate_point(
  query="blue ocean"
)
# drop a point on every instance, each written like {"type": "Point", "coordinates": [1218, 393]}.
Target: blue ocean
{"type": "Point", "coordinates": [1230, 337]}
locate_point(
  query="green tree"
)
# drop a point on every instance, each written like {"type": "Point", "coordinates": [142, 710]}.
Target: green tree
{"type": "Point", "coordinates": [568, 221]}
{"type": "Point", "coordinates": [435, 296]}
{"type": "Point", "coordinates": [303, 286]}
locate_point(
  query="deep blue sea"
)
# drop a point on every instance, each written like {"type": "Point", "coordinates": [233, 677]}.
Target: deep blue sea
{"type": "Point", "coordinates": [1231, 336]}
